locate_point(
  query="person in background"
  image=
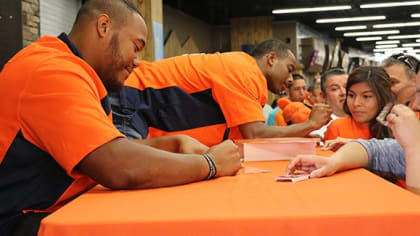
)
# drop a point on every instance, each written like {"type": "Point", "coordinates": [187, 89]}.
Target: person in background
{"type": "Point", "coordinates": [397, 158]}
{"type": "Point", "coordinates": [57, 139]}
{"type": "Point", "coordinates": [283, 96]}
{"type": "Point", "coordinates": [212, 97]}
{"type": "Point", "coordinates": [315, 94]}
{"type": "Point", "coordinates": [298, 89]}
{"type": "Point", "coordinates": [267, 109]}
{"type": "Point", "coordinates": [402, 70]}
{"type": "Point", "coordinates": [333, 86]}
{"type": "Point", "coordinates": [368, 91]}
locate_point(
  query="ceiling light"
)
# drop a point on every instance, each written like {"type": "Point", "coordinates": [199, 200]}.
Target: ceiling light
{"type": "Point", "coordinates": [368, 39]}
{"type": "Point", "coordinates": [418, 40]}
{"type": "Point", "coordinates": [390, 4]}
{"type": "Point", "coordinates": [391, 49]}
{"type": "Point", "coordinates": [384, 32]}
{"type": "Point", "coordinates": [416, 50]}
{"type": "Point", "coordinates": [411, 45]}
{"type": "Point", "coordinates": [409, 36]}
{"type": "Point", "coordinates": [388, 42]}
{"type": "Point", "coordinates": [347, 19]}
{"type": "Point", "coordinates": [415, 15]}
{"type": "Point", "coordinates": [393, 25]}
{"type": "Point", "coordinates": [387, 46]}
{"type": "Point", "coordinates": [354, 27]}
{"type": "Point", "coordinates": [311, 9]}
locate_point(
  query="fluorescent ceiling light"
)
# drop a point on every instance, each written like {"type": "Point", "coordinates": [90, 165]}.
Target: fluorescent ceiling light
{"type": "Point", "coordinates": [388, 42]}
{"type": "Point", "coordinates": [411, 45]}
{"type": "Point", "coordinates": [384, 32]}
{"type": "Point", "coordinates": [354, 27]}
{"type": "Point", "coordinates": [347, 19]}
{"type": "Point", "coordinates": [387, 46]}
{"type": "Point", "coordinates": [368, 39]}
{"type": "Point", "coordinates": [391, 49]}
{"type": "Point", "coordinates": [390, 4]}
{"type": "Point", "coordinates": [416, 50]}
{"type": "Point", "coordinates": [394, 25]}
{"type": "Point", "coordinates": [418, 40]}
{"type": "Point", "coordinates": [311, 9]}
{"type": "Point", "coordinates": [409, 36]}
{"type": "Point", "coordinates": [415, 15]}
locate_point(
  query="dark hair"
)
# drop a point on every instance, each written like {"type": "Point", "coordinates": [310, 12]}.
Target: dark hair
{"type": "Point", "coordinates": [271, 45]}
{"type": "Point", "coordinates": [116, 9]}
{"type": "Point", "coordinates": [411, 63]}
{"type": "Point", "coordinates": [379, 81]}
{"type": "Point", "coordinates": [328, 73]}
{"type": "Point", "coordinates": [295, 77]}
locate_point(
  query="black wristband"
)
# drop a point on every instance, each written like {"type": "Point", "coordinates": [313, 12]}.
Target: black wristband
{"type": "Point", "coordinates": [212, 167]}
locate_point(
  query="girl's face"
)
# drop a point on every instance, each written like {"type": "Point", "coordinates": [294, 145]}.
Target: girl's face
{"type": "Point", "coordinates": [362, 103]}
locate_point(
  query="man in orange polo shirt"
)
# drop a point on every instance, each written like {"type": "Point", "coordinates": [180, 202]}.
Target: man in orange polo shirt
{"type": "Point", "coordinates": [212, 97]}
{"type": "Point", "coordinates": [57, 139]}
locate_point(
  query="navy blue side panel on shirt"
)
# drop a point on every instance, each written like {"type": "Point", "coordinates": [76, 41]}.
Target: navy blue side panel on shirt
{"type": "Point", "coordinates": [171, 109]}
{"type": "Point", "coordinates": [106, 105]}
{"type": "Point", "coordinates": [29, 179]}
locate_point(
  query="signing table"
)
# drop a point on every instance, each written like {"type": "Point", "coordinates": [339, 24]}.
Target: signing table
{"type": "Point", "coordinates": [355, 202]}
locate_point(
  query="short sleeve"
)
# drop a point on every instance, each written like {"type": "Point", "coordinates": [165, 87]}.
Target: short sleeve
{"type": "Point", "coordinates": [386, 157]}
{"type": "Point", "coordinates": [241, 93]}
{"type": "Point", "coordinates": [60, 111]}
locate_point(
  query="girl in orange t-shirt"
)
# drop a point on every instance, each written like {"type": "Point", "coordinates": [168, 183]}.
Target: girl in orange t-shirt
{"type": "Point", "coordinates": [368, 91]}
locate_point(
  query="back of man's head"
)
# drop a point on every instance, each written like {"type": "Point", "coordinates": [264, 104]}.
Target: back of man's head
{"type": "Point", "coordinates": [411, 64]}
{"type": "Point", "coordinates": [271, 45]}
{"type": "Point", "coordinates": [117, 10]}
{"type": "Point", "coordinates": [329, 73]}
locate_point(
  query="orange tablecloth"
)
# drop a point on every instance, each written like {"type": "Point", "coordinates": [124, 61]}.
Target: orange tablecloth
{"type": "Point", "coordinates": [355, 202]}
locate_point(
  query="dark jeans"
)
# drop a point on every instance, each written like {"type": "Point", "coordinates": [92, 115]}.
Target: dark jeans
{"type": "Point", "coordinates": [121, 117]}
{"type": "Point", "coordinates": [22, 224]}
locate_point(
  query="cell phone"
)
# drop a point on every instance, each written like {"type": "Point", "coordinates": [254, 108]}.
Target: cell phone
{"type": "Point", "coordinates": [292, 178]}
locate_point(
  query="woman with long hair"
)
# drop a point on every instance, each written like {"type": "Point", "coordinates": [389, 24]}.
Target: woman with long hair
{"type": "Point", "coordinates": [368, 91]}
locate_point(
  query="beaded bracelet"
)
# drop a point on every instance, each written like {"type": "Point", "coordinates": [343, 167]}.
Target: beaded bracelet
{"type": "Point", "coordinates": [212, 167]}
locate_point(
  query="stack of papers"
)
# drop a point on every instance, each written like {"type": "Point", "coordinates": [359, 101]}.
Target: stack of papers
{"type": "Point", "coordinates": [273, 149]}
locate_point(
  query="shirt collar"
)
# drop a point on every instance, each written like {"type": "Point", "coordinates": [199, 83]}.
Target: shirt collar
{"type": "Point", "coordinates": [63, 37]}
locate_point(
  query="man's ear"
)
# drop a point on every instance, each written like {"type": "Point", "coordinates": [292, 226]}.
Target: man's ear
{"type": "Point", "coordinates": [271, 58]}
{"type": "Point", "coordinates": [103, 25]}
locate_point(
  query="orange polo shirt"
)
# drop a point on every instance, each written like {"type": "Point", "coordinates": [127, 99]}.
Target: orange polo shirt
{"type": "Point", "coordinates": [54, 111]}
{"type": "Point", "coordinates": [205, 96]}
{"type": "Point", "coordinates": [347, 128]}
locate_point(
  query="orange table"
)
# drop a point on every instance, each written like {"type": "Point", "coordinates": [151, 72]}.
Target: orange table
{"type": "Point", "coordinates": [355, 202]}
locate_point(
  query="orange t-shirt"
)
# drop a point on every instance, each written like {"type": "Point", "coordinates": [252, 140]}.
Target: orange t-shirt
{"type": "Point", "coordinates": [296, 112]}
{"type": "Point", "coordinates": [200, 95]}
{"type": "Point", "coordinates": [347, 128]}
{"type": "Point", "coordinates": [53, 113]}
{"type": "Point", "coordinates": [279, 118]}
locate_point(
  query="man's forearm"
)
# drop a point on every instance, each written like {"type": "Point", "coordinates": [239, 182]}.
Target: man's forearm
{"type": "Point", "coordinates": [260, 130]}
{"type": "Point", "coordinates": [123, 164]}
{"type": "Point", "coordinates": [166, 143]}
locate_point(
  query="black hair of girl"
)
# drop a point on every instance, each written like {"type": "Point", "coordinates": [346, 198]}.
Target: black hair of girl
{"type": "Point", "coordinates": [378, 80]}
